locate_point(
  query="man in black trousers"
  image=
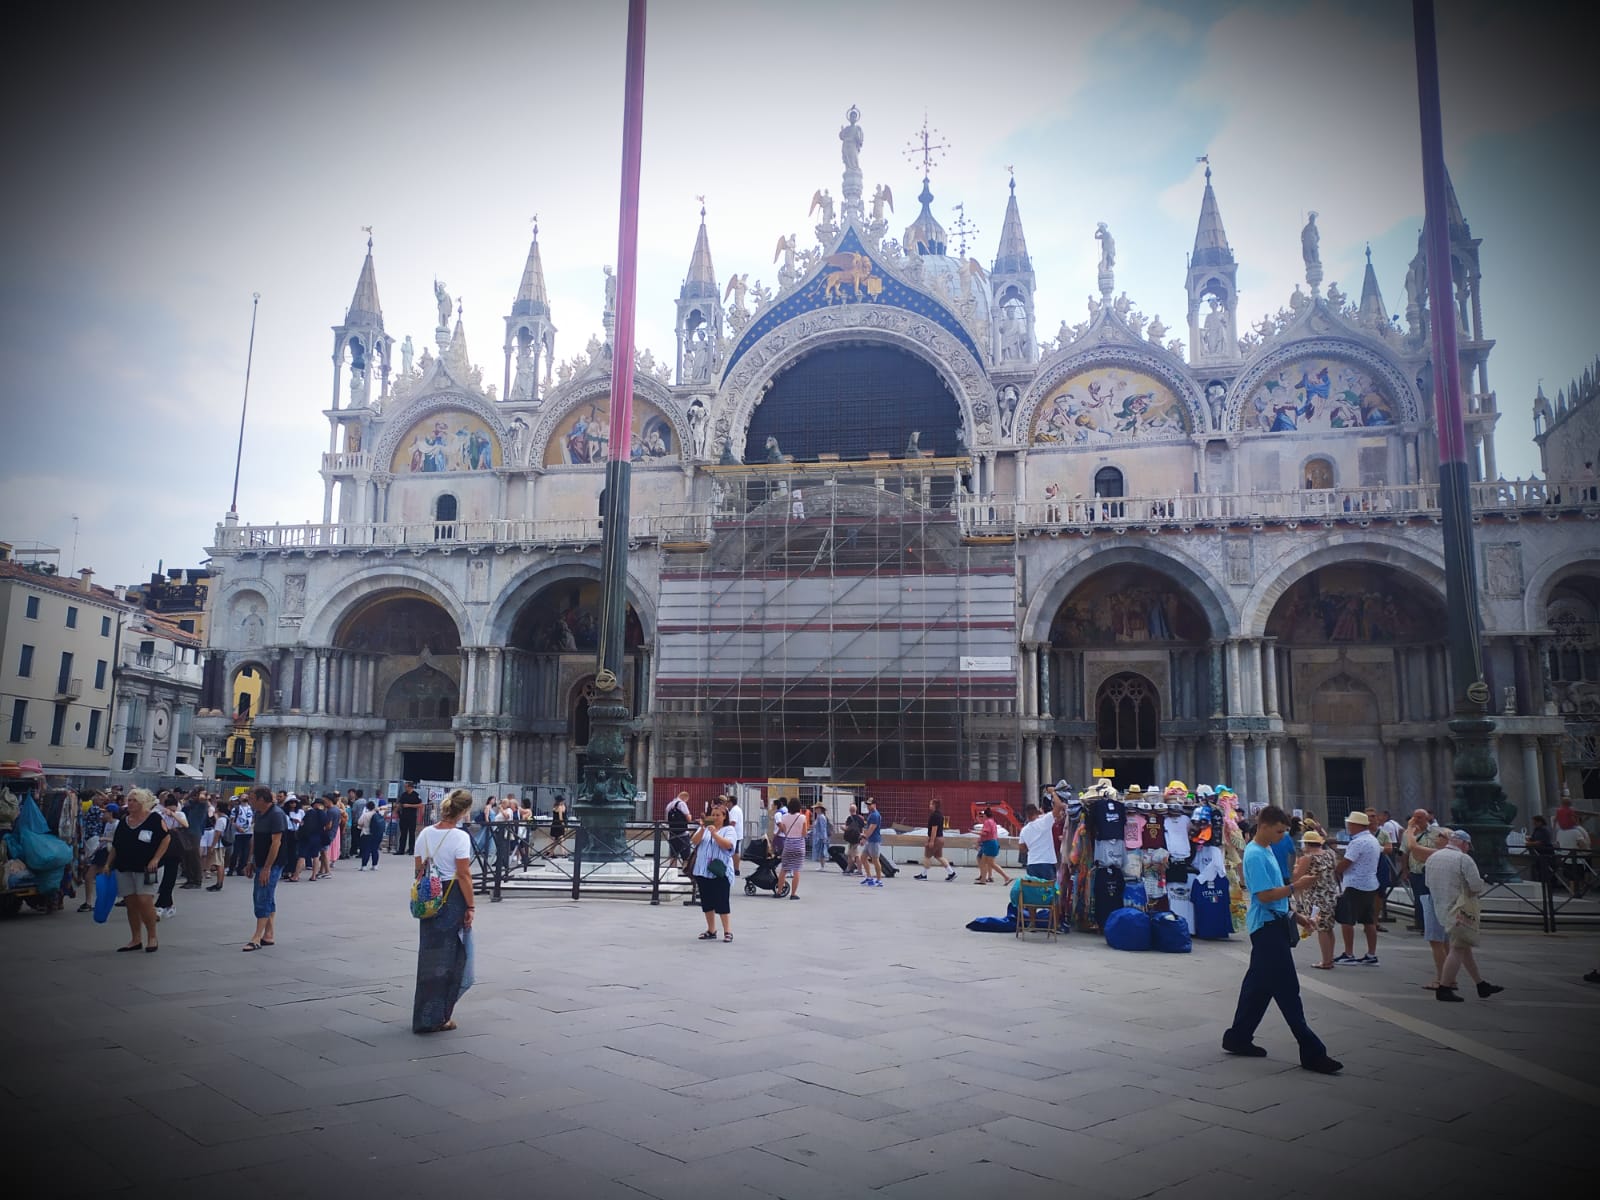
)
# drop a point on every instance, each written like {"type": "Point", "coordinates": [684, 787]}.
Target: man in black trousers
{"type": "Point", "coordinates": [410, 816]}
{"type": "Point", "coordinates": [1271, 976]}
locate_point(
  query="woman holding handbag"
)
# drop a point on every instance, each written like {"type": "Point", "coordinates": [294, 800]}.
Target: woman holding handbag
{"type": "Point", "coordinates": [1455, 885]}
{"type": "Point", "coordinates": [713, 871]}
{"type": "Point", "coordinates": [443, 866]}
{"type": "Point", "coordinates": [792, 826]}
{"type": "Point", "coordinates": [137, 847]}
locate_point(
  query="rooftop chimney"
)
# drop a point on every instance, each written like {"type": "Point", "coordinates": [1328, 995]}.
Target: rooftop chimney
{"type": "Point", "coordinates": [120, 591]}
{"type": "Point", "coordinates": [5, 551]}
{"type": "Point", "coordinates": [85, 580]}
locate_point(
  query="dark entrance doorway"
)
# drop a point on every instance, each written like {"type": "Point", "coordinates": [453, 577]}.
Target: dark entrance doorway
{"type": "Point", "coordinates": [1131, 770]}
{"type": "Point", "coordinates": [1345, 780]}
{"type": "Point", "coordinates": [429, 764]}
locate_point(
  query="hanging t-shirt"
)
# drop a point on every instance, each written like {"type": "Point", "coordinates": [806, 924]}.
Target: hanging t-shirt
{"type": "Point", "coordinates": [1155, 835]}
{"type": "Point", "coordinates": [1106, 820]}
{"type": "Point", "coordinates": [1175, 829]}
{"type": "Point", "coordinates": [1212, 917]}
{"type": "Point", "coordinates": [1133, 830]}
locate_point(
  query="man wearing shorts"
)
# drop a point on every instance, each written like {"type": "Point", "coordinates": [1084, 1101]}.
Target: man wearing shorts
{"type": "Point", "coordinates": [1358, 903]}
{"type": "Point", "coordinates": [933, 850]}
{"type": "Point", "coordinates": [270, 825]}
{"type": "Point", "coordinates": [872, 846]}
{"type": "Point", "coordinates": [1038, 835]}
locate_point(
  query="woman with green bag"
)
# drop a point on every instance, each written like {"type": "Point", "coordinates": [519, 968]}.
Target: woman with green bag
{"type": "Point", "coordinates": [443, 901]}
{"type": "Point", "coordinates": [713, 871]}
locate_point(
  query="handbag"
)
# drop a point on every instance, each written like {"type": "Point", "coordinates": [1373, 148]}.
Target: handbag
{"type": "Point", "coordinates": [718, 869]}
{"type": "Point", "coordinates": [429, 891]}
{"type": "Point", "coordinates": [1466, 919]}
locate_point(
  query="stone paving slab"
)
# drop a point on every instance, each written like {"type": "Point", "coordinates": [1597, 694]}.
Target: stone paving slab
{"type": "Point", "coordinates": [858, 1042]}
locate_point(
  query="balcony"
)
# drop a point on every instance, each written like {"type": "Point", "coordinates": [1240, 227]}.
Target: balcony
{"type": "Point", "coordinates": [345, 464]}
{"type": "Point", "coordinates": [996, 516]}
{"type": "Point", "coordinates": [165, 664]}
{"type": "Point", "coordinates": [68, 689]}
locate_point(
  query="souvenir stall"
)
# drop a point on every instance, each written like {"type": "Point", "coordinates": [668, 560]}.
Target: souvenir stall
{"type": "Point", "coordinates": [1157, 851]}
{"type": "Point", "coordinates": [31, 858]}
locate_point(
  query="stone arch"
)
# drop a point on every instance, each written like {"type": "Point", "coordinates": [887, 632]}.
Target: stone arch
{"type": "Point", "coordinates": [1401, 388]}
{"type": "Point", "coordinates": [1187, 572]}
{"type": "Point", "coordinates": [1151, 360]}
{"type": "Point", "coordinates": [1331, 549]}
{"type": "Point", "coordinates": [532, 580]}
{"type": "Point", "coordinates": [234, 669]}
{"type": "Point", "coordinates": [1547, 577]}
{"type": "Point", "coordinates": [324, 616]}
{"type": "Point", "coordinates": [249, 615]}
{"type": "Point", "coordinates": [597, 387]}
{"type": "Point", "coordinates": [402, 421]}
{"type": "Point", "coordinates": [424, 692]}
{"type": "Point", "coordinates": [743, 390]}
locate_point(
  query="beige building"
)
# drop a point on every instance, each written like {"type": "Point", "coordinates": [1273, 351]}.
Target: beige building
{"type": "Point", "coordinates": [59, 643]}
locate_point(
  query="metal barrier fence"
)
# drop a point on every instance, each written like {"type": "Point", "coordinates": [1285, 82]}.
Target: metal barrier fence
{"type": "Point", "coordinates": [520, 857]}
{"type": "Point", "coordinates": [1559, 880]}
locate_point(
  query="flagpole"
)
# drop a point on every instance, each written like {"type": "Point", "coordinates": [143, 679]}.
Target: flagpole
{"type": "Point", "coordinates": [607, 791]}
{"type": "Point", "coordinates": [249, 358]}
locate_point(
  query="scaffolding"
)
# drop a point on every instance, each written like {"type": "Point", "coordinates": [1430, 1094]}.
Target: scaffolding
{"type": "Point", "coordinates": [840, 628]}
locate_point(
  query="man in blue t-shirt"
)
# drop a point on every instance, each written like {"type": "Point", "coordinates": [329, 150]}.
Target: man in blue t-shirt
{"type": "Point", "coordinates": [1271, 976]}
{"type": "Point", "coordinates": [872, 846]}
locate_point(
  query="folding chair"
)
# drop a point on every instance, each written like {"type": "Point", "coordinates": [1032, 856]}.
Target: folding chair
{"type": "Point", "coordinates": [1036, 907]}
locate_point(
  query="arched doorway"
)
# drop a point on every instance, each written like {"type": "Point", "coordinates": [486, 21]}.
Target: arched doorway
{"type": "Point", "coordinates": [404, 664]}
{"type": "Point", "coordinates": [855, 401]}
{"type": "Point", "coordinates": [249, 694]}
{"type": "Point", "coordinates": [1130, 677]}
{"type": "Point", "coordinates": [1361, 676]}
{"type": "Point", "coordinates": [1128, 728]}
{"type": "Point", "coordinates": [550, 657]}
{"type": "Point", "coordinates": [1572, 663]}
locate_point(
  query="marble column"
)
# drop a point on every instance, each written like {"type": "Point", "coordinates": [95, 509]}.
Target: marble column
{"type": "Point", "coordinates": [1236, 763]}
{"type": "Point", "coordinates": [1190, 767]}
{"type": "Point", "coordinates": [319, 701]}
{"type": "Point", "coordinates": [494, 666]}
{"type": "Point", "coordinates": [1029, 697]}
{"type": "Point", "coordinates": [1030, 770]}
{"type": "Point", "coordinates": [1430, 798]}
{"type": "Point", "coordinates": [1275, 773]}
{"type": "Point", "coordinates": [1532, 799]}
{"type": "Point", "coordinates": [1216, 672]}
{"type": "Point", "coordinates": [1523, 675]}
{"type": "Point", "coordinates": [1258, 771]}
{"type": "Point", "coordinates": [264, 758]}
{"type": "Point", "coordinates": [1269, 673]}
{"type": "Point", "coordinates": [1390, 796]}
{"type": "Point", "coordinates": [1047, 773]}
{"type": "Point", "coordinates": [1045, 655]}
{"type": "Point", "coordinates": [466, 758]}
{"type": "Point", "coordinates": [291, 764]}
{"type": "Point", "coordinates": [469, 691]}
{"type": "Point", "coordinates": [1236, 703]}
{"type": "Point", "coordinates": [1550, 791]}
{"type": "Point", "coordinates": [486, 763]}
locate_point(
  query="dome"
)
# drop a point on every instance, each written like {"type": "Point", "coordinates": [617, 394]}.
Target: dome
{"type": "Point", "coordinates": [925, 236]}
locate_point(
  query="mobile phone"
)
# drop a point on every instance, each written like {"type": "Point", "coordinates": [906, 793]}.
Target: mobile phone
{"type": "Point", "coordinates": [150, 877]}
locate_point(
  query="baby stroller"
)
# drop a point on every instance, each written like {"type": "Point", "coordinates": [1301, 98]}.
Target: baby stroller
{"type": "Point", "coordinates": [758, 854]}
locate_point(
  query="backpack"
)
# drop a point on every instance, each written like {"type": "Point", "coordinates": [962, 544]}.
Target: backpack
{"type": "Point", "coordinates": [677, 820]}
{"type": "Point", "coordinates": [226, 825]}
{"type": "Point", "coordinates": [852, 828]}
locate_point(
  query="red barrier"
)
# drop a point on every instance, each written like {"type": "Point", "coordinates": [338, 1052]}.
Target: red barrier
{"type": "Point", "coordinates": [903, 802]}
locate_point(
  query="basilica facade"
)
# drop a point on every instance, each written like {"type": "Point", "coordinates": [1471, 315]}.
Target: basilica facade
{"type": "Point", "coordinates": [883, 528]}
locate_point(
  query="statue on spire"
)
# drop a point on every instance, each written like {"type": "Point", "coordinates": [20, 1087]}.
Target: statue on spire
{"type": "Point", "coordinates": [445, 305]}
{"type": "Point", "coordinates": [850, 140]}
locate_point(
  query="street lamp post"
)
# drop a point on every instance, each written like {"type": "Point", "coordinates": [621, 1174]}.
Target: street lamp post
{"type": "Point", "coordinates": [1480, 803]}
{"type": "Point", "coordinates": [607, 791]}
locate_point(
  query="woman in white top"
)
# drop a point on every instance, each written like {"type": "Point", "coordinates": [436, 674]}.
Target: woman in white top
{"type": "Point", "coordinates": [445, 849]}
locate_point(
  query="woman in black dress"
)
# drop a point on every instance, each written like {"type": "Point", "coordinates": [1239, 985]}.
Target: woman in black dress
{"type": "Point", "coordinates": [558, 828]}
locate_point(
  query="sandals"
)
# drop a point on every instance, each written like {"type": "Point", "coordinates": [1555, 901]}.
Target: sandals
{"type": "Point", "coordinates": [249, 946]}
{"type": "Point", "coordinates": [727, 937]}
{"type": "Point", "coordinates": [129, 949]}
{"type": "Point", "coordinates": [1323, 966]}
{"type": "Point", "coordinates": [707, 936]}
{"type": "Point", "coordinates": [265, 942]}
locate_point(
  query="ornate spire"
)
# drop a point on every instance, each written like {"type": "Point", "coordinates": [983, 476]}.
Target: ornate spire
{"type": "Point", "coordinates": [701, 281]}
{"type": "Point", "coordinates": [925, 235]}
{"type": "Point", "coordinates": [364, 308]}
{"type": "Point", "coordinates": [1012, 256]}
{"type": "Point", "coordinates": [1372, 312]}
{"type": "Point", "coordinates": [1453, 217]}
{"type": "Point", "coordinates": [532, 299]}
{"type": "Point", "coordinates": [1211, 247]}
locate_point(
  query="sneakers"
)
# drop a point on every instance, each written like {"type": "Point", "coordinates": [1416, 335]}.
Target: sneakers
{"type": "Point", "coordinates": [950, 876]}
{"type": "Point", "coordinates": [924, 875]}
{"type": "Point", "coordinates": [1592, 976]}
{"type": "Point", "coordinates": [867, 882]}
{"type": "Point", "coordinates": [1366, 960]}
{"type": "Point", "coordinates": [1487, 989]}
{"type": "Point", "coordinates": [1448, 995]}
{"type": "Point", "coordinates": [1324, 1065]}
{"type": "Point", "coordinates": [1345, 960]}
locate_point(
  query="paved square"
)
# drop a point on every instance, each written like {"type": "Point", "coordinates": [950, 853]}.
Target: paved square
{"type": "Point", "coordinates": [855, 1042]}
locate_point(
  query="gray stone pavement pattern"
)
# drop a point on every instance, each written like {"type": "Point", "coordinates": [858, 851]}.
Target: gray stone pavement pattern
{"type": "Point", "coordinates": [857, 1042]}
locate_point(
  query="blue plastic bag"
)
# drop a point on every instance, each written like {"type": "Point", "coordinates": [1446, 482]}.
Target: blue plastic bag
{"type": "Point", "coordinates": [46, 855]}
{"type": "Point", "coordinates": [469, 973]}
{"type": "Point", "coordinates": [1171, 933]}
{"type": "Point", "coordinates": [1128, 929]}
{"type": "Point", "coordinates": [105, 897]}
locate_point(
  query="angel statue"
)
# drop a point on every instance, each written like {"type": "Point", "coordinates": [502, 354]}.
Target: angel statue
{"type": "Point", "coordinates": [786, 252]}
{"type": "Point", "coordinates": [443, 299]}
{"type": "Point", "coordinates": [880, 197]}
{"type": "Point", "coordinates": [823, 201]}
{"type": "Point", "coordinates": [736, 289]}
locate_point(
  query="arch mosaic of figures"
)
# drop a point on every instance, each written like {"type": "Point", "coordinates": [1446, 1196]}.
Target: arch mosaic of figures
{"type": "Point", "coordinates": [1365, 549]}
{"type": "Point", "coordinates": [524, 586]}
{"type": "Point", "coordinates": [1374, 391]}
{"type": "Point", "coordinates": [1193, 577]}
{"type": "Point", "coordinates": [743, 390]}
{"type": "Point", "coordinates": [594, 392]}
{"type": "Point", "coordinates": [405, 424]}
{"type": "Point", "coordinates": [330, 611]}
{"type": "Point", "coordinates": [1129, 393]}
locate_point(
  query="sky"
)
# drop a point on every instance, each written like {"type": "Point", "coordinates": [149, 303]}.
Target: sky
{"type": "Point", "coordinates": [168, 161]}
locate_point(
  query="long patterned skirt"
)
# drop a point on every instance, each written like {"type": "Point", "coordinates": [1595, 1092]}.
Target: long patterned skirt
{"type": "Point", "coordinates": [441, 961]}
